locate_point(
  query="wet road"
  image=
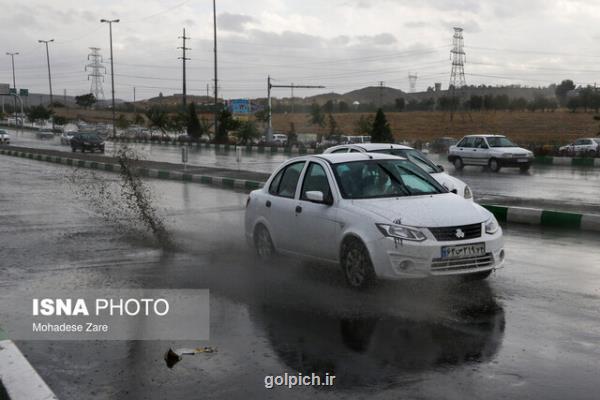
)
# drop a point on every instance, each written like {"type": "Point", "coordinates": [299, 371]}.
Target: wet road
{"type": "Point", "coordinates": [551, 187]}
{"type": "Point", "coordinates": [531, 331]}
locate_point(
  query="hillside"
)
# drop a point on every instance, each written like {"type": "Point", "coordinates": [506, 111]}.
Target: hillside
{"type": "Point", "coordinates": [538, 127]}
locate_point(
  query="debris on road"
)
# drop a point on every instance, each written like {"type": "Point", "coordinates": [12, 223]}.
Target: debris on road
{"type": "Point", "coordinates": [172, 357]}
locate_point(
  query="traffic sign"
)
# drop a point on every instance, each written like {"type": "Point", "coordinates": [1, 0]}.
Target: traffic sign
{"type": "Point", "coordinates": [12, 91]}
{"type": "Point", "coordinates": [4, 89]}
{"type": "Point", "coordinates": [23, 92]}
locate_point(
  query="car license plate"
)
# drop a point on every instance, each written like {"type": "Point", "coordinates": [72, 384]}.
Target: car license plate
{"type": "Point", "coordinates": [523, 160]}
{"type": "Point", "coordinates": [464, 251]}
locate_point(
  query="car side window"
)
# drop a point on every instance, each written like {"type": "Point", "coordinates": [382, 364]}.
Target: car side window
{"type": "Point", "coordinates": [479, 143]}
{"type": "Point", "coordinates": [315, 179]}
{"type": "Point", "coordinates": [275, 183]}
{"type": "Point", "coordinates": [343, 150]}
{"type": "Point", "coordinates": [354, 151]}
{"type": "Point", "coordinates": [285, 182]}
{"type": "Point", "coordinates": [466, 142]}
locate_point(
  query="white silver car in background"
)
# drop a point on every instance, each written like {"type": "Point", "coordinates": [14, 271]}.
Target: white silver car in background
{"type": "Point", "coordinates": [493, 151]}
{"type": "Point", "coordinates": [451, 183]}
{"type": "Point", "coordinates": [376, 215]}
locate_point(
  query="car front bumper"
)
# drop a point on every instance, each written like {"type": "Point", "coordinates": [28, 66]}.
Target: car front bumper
{"type": "Point", "coordinates": [394, 259]}
{"type": "Point", "coordinates": [515, 162]}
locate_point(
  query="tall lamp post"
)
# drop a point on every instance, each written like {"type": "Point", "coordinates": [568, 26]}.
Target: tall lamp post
{"type": "Point", "coordinates": [12, 56]}
{"type": "Point", "coordinates": [215, 61]}
{"type": "Point", "coordinates": [49, 75]}
{"type": "Point", "coordinates": [112, 73]}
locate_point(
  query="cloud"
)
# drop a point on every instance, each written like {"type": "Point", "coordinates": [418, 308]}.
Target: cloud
{"type": "Point", "coordinates": [381, 39]}
{"type": "Point", "coordinates": [416, 24]}
{"type": "Point", "coordinates": [234, 22]}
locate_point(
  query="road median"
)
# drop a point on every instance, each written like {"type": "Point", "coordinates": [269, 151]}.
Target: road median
{"type": "Point", "coordinates": [248, 180]}
{"type": "Point", "coordinates": [18, 379]}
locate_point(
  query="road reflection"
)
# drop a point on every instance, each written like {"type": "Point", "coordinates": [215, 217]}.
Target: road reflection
{"type": "Point", "coordinates": [375, 350]}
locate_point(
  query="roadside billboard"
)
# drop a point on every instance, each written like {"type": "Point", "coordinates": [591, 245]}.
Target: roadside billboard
{"type": "Point", "coordinates": [4, 89]}
{"type": "Point", "coordinates": [240, 106]}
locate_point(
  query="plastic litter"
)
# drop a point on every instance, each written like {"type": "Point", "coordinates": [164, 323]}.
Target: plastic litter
{"type": "Point", "coordinates": [172, 357]}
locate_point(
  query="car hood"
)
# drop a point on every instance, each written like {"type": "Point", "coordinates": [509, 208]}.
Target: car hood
{"type": "Point", "coordinates": [511, 150]}
{"type": "Point", "coordinates": [433, 211]}
{"type": "Point", "coordinates": [449, 182]}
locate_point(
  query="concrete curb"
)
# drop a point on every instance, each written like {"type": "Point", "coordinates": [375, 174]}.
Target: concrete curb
{"type": "Point", "coordinates": [536, 216]}
{"type": "Point", "coordinates": [223, 147]}
{"type": "Point", "coordinates": [521, 215]}
{"type": "Point", "coordinates": [570, 161]}
{"type": "Point", "coordinates": [18, 379]}
{"type": "Point", "coordinates": [151, 173]}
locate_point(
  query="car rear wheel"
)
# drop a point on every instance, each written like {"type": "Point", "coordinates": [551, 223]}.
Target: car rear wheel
{"type": "Point", "coordinates": [458, 163]}
{"type": "Point", "coordinates": [356, 264]}
{"type": "Point", "coordinates": [494, 165]}
{"type": "Point", "coordinates": [263, 243]}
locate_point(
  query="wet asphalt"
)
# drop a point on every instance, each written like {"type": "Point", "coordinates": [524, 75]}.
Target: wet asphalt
{"type": "Point", "coordinates": [563, 188]}
{"type": "Point", "coordinates": [532, 330]}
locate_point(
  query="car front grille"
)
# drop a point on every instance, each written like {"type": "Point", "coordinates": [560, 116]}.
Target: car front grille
{"type": "Point", "coordinates": [450, 233]}
{"type": "Point", "coordinates": [459, 264]}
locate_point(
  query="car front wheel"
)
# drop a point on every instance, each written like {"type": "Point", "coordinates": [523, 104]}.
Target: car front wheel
{"type": "Point", "coordinates": [494, 165]}
{"type": "Point", "coordinates": [356, 264]}
{"type": "Point", "coordinates": [263, 243]}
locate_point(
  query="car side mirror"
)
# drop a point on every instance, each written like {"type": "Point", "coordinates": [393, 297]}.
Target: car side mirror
{"type": "Point", "coordinates": [441, 167]}
{"type": "Point", "coordinates": [315, 196]}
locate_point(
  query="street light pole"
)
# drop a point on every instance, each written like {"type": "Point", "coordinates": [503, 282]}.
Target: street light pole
{"type": "Point", "coordinates": [112, 73]}
{"type": "Point", "coordinates": [49, 75]}
{"type": "Point", "coordinates": [12, 56]}
{"type": "Point", "coordinates": [216, 80]}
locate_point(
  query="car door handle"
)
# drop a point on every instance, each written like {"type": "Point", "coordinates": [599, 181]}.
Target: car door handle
{"type": "Point", "coordinates": [268, 203]}
{"type": "Point", "coordinates": [298, 209]}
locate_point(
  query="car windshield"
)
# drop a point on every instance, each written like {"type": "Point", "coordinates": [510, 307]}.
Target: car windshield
{"type": "Point", "coordinates": [499, 141]}
{"type": "Point", "coordinates": [89, 136]}
{"type": "Point", "coordinates": [414, 156]}
{"type": "Point", "coordinates": [383, 178]}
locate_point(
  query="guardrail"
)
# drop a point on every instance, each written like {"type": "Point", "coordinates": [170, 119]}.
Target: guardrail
{"type": "Point", "coordinates": [222, 147]}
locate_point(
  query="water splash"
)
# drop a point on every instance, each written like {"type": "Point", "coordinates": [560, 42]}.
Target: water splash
{"type": "Point", "coordinates": [127, 202]}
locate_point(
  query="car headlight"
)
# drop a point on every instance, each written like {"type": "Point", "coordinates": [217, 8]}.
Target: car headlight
{"type": "Point", "coordinates": [491, 225]}
{"type": "Point", "coordinates": [401, 232]}
{"type": "Point", "coordinates": [468, 194]}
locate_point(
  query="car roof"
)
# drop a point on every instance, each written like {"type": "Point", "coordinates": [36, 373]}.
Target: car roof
{"type": "Point", "coordinates": [336, 158]}
{"type": "Point", "coordinates": [485, 135]}
{"type": "Point", "coordinates": [369, 146]}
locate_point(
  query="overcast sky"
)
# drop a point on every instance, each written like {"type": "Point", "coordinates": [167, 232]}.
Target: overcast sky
{"type": "Point", "coordinates": [342, 44]}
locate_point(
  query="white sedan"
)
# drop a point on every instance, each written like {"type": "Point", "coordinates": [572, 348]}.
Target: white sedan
{"type": "Point", "coordinates": [376, 215]}
{"type": "Point", "coordinates": [451, 183]}
{"type": "Point", "coordinates": [4, 137]}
